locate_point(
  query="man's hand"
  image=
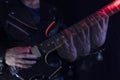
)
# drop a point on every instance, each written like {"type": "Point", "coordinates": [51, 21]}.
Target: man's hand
{"type": "Point", "coordinates": [82, 40]}
{"type": "Point", "coordinates": [98, 31]}
{"type": "Point", "coordinates": [88, 38]}
{"type": "Point", "coordinates": [68, 50]}
{"type": "Point", "coordinates": [20, 57]}
{"type": "Point", "coordinates": [75, 45]}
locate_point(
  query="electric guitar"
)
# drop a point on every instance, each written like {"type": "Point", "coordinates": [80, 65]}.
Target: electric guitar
{"type": "Point", "coordinates": [47, 69]}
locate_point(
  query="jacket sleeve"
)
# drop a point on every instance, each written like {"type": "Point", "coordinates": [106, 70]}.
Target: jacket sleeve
{"type": "Point", "coordinates": [3, 37]}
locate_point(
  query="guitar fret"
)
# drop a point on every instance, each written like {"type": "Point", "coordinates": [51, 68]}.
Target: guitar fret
{"type": "Point", "coordinates": [84, 25]}
{"type": "Point", "coordinates": [73, 29]}
{"type": "Point", "coordinates": [112, 8]}
{"type": "Point", "coordinates": [115, 9]}
{"type": "Point", "coordinates": [63, 34]}
{"type": "Point", "coordinates": [44, 47]}
{"type": "Point", "coordinates": [108, 11]}
{"type": "Point", "coordinates": [47, 45]}
{"type": "Point", "coordinates": [56, 39]}
{"type": "Point", "coordinates": [53, 38]}
{"type": "Point", "coordinates": [78, 28]}
{"type": "Point", "coordinates": [60, 38]}
{"type": "Point", "coordinates": [92, 20]}
{"type": "Point", "coordinates": [52, 43]}
{"type": "Point", "coordinates": [89, 20]}
{"type": "Point", "coordinates": [98, 16]}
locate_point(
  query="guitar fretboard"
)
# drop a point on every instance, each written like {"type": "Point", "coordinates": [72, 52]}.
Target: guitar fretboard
{"type": "Point", "coordinates": [55, 41]}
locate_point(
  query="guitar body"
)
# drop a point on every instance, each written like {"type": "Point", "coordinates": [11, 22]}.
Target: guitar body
{"type": "Point", "coordinates": [42, 70]}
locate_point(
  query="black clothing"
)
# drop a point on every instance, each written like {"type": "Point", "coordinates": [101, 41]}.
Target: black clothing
{"type": "Point", "coordinates": [19, 28]}
{"type": "Point", "coordinates": [36, 15]}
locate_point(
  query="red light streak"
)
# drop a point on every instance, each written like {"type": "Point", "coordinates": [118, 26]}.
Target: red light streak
{"type": "Point", "coordinates": [48, 28]}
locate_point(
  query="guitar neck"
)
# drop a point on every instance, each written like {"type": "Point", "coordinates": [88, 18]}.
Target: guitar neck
{"type": "Point", "coordinates": [108, 10]}
{"type": "Point", "coordinates": [111, 8]}
{"type": "Point", "coordinates": [55, 41]}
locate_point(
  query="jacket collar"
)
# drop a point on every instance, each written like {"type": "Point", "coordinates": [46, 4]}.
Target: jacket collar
{"type": "Point", "coordinates": [19, 11]}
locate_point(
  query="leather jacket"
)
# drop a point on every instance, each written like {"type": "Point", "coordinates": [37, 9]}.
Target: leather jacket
{"type": "Point", "coordinates": [18, 28]}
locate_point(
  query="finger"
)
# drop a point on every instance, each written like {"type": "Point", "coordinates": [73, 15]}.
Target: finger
{"type": "Point", "coordinates": [27, 56]}
{"type": "Point", "coordinates": [107, 19]}
{"type": "Point", "coordinates": [103, 24]}
{"type": "Point", "coordinates": [97, 21]}
{"type": "Point", "coordinates": [72, 45]}
{"type": "Point", "coordinates": [86, 31]}
{"type": "Point", "coordinates": [104, 19]}
{"type": "Point", "coordinates": [24, 49]}
{"type": "Point", "coordinates": [65, 42]}
{"type": "Point", "coordinates": [81, 30]}
{"type": "Point", "coordinates": [68, 45]}
{"type": "Point", "coordinates": [23, 66]}
{"type": "Point", "coordinates": [71, 42]}
{"type": "Point", "coordinates": [27, 62]}
{"type": "Point", "coordinates": [78, 28]}
{"type": "Point", "coordinates": [83, 37]}
{"type": "Point", "coordinates": [96, 28]}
